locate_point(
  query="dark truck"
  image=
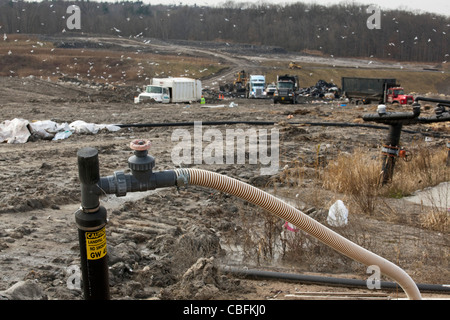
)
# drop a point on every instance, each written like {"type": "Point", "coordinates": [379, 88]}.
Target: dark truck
{"type": "Point", "coordinates": [374, 90]}
{"type": "Point", "coordinates": [287, 89]}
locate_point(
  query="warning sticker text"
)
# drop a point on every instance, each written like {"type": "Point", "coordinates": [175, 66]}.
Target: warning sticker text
{"type": "Point", "coordinates": [96, 244]}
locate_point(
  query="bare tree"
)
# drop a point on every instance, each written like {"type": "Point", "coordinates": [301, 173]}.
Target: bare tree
{"type": "Point", "coordinates": [338, 30]}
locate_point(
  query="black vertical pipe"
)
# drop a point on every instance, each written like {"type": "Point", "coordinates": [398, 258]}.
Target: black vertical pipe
{"type": "Point", "coordinates": [389, 160]}
{"type": "Point", "coordinates": [448, 154]}
{"type": "Point", "coordinates": [91, 221]}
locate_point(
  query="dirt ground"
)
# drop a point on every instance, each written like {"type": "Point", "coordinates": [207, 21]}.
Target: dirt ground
{"type": "Point", "coordinates": [155, 237]}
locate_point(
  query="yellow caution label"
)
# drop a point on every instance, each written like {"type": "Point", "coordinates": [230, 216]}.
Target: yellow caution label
{"type": "Point", "coordinates": [96, 244]}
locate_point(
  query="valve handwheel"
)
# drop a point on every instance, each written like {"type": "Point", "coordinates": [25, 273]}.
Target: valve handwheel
{"type": "Point", "coordinates": [140, 144]}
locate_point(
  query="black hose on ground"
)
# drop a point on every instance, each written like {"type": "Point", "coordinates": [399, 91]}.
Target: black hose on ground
{"type": "Point", "coordinates": [269, 123]}
{"type": "Point", "coordinates": [261, 123]}
{"type": "Point", "coordinates": [321, 280]}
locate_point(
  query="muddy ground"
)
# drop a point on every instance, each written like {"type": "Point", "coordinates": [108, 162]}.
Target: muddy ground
{"type": "Point", "coordinates": [155, 237]}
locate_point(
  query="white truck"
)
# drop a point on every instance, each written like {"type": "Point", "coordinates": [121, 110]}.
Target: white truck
{"type": "Point", "coordinates": [256, 86]}
{"type": "Point", "coordinates": [171, 90]}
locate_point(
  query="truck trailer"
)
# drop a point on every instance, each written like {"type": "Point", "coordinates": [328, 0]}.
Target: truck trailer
{"type": "Point", "coordinates": [172, 90]}
{"type": "Point", "coordinates": [374, 90]}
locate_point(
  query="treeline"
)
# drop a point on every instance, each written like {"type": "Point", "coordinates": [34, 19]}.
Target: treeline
{"type": "Point", "coordinates": [338, 30]}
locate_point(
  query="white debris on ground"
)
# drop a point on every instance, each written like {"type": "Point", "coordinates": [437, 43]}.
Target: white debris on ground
{"type": "Point", "coordinates": [337, 214]}
{"type": "Point", "coordinates": [20, 130]}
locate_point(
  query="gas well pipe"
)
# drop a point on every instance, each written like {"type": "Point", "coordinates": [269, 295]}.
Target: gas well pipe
{"type": "Point", "coordinates": [396, 121]}
{"type": "Point", "coordinates": [142, 178]}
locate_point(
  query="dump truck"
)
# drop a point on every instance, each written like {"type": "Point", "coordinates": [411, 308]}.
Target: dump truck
{"type": "Point", "coordinates": [255, 86]}
{"type": "Point", "coordinates": [287, 89]}
{"type": "Point", "coordinates": [374, 90]}
{"type": "Point", "coordinates": [171, 90]}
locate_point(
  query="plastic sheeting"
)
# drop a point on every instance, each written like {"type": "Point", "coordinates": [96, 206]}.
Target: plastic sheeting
{"type": "Point", "coordinates": [14, 131]}
{"type": "Point", "coordinates": [20, 130]}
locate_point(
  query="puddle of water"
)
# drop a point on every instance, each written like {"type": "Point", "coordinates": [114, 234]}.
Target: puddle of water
{"type": "Point", "coordinates": [437, 197]}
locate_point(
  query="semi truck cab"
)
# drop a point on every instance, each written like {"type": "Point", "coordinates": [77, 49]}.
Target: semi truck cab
{"type": "Point", "coordinates": [256, 86]}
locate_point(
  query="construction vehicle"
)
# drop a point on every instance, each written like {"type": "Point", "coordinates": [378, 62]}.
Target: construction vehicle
{"type": "Point", "coordinates": [240, 82]}
{"type": "Point", "coordinates": [287, 89]}
{"type": "Point", "coordinates": [374, 90]}
{"type": "Point", "coordinates": [171, 90]}
{"type": "Point", "coordinates": [294, 65]}
{"type": "Point", "coordinates": [255, 86]}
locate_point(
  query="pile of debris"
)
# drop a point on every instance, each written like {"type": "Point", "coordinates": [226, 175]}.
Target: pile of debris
{"type": "Point", "coordinates": [21, 130]}
{"type": "Point", "coordinates": [321, 89]}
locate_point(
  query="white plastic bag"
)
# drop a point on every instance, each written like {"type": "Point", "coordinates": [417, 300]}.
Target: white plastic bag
{"type": "Point", "coordinates": [44, 129]}
{"type": "Point", "coordinates": [14, 131]}
{"type": "Point", "coordinates": [62, 135]}
{"type": "Point", "coordinates": [337, 214]}
{"type": "Point", "coordinates": [80, 126]}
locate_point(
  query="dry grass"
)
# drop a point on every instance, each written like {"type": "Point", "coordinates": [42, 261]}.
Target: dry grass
{"type": "Point", "coordinates": [426, 168]}
{"type": "Point", "coordinates": [25, 55]}
{"type": "Point", "coordinates": [437, 220]}
{"type": "Point", "coordinates": [357, 176]}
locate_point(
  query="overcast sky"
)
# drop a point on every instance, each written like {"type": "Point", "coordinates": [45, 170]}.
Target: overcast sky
{"type": "Point", "coordinates": [434, 6]}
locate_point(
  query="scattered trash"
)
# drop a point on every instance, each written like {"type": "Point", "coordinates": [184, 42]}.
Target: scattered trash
{"type": "Point", "coordinates": [14, 131]}
{"type": "Point", "coordinates": [289, 226]}
{"type": "Point", "coordinates": [62, 135]}
{"type": "Point", "coordinates": [20, 130]}
{"type": "Point", "coordinates": [47, 129]}
{"type": "Point", "coordinates": [321, 89]}
{"type": "Point", "coordinates": [232, 105]}
{"type": "Point", "coordinates": [84, 127]}
{"type": "Point", "coordinates": [337, 214]}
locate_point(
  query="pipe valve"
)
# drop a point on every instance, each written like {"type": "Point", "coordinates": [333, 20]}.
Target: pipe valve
{"type": "Point", "coordinates": [141, 164]}
{"type": "Point", "coordinates": [142, 177]}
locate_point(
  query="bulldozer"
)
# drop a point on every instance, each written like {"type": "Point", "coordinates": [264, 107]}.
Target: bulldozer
{"type": "Point", "coordinates": [240, 82]}
{"type": "Point", "coordinates": [294, 65]}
